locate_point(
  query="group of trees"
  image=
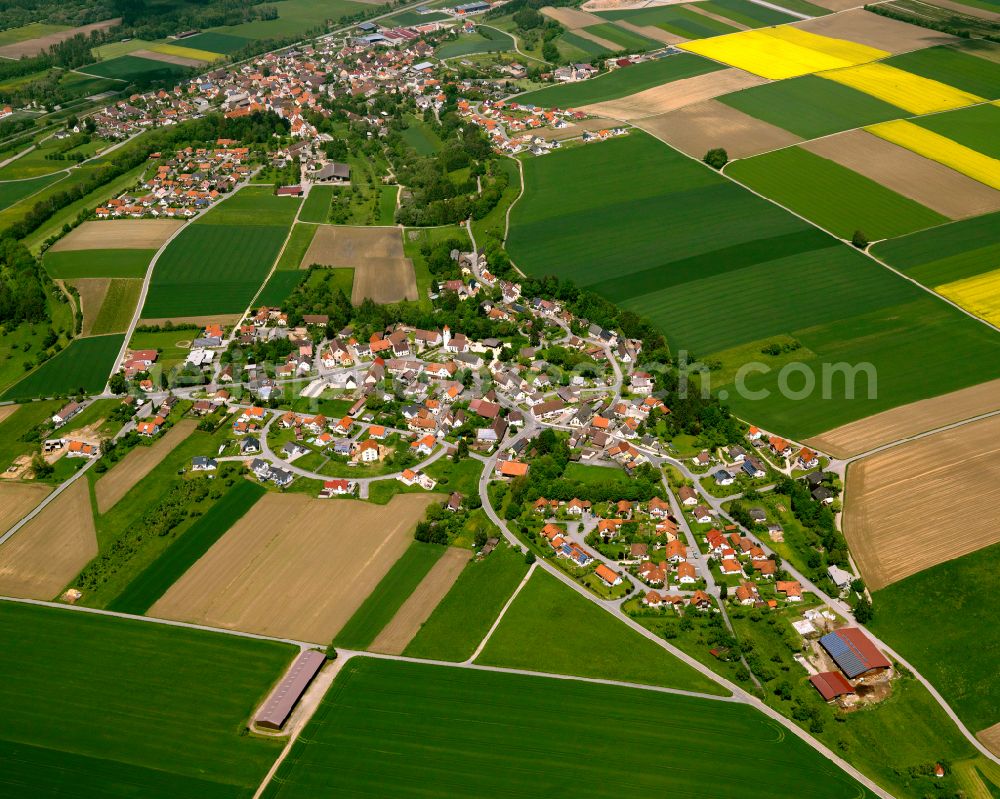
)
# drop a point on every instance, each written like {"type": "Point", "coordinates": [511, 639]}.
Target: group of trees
{"type": "Point", "coordinates": [23, 284]}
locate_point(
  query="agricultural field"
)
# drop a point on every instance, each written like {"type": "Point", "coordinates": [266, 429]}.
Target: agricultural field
{"type": "Point", "coordinates": [730, 249]}
{"type": "Point", "coordinates": [979, 295]}
{"type": "Point", "coordinates": [912, 93]}
{"type": "Point", "coordinates": [130, 67]}
{"type": "Point", "coordinates": [19, 44]}
{"type": "Point", "coordinates": [17, 499]}
{"type": "Point", "coordinates": [279, 286]}
{"type": "Point", "coordinates": [484, 40]}
{"type": "Point", "coordinates": [296, 247]}
{"type": "Point", "coordinates": [675, 19]}
{"type": "Point", "coordinates": [890, 494]}
{"type": "Point", "coordinates": [316, 207]}
{"type": "Point", "coordinates": [466, 613]}
{"type": "Point", "coordinates": [117, 308]}
{"type": "Point", "coordinates": [84, 364]}
{"type": "Point", "coordinates": [952, 66]}
{"type": "Point", "coordinates": [960, 657]}
{"type": "Point", "coordinates": [252, 206]}
{"type": "Point", "coordinates": [622, 38]}
{"type": "Point", "coordinates": [165, 719]}
{"type": "Point", "coordinates": [420, 136]}
{"type": "Point", "coordinates": [381, 270]}
{"type": "Point", "coordinates": [15, 420]}
{"type": "Point", "coordinates": [221, 43]}
{"type": "Point", "coordinates": [295, 18]}
{"type": "Point", "coordinates": [323, 564]}
{"type": "Point", "coordinates": [118, 234]}
{"type": "Point", "coordinates": [387, 597]}
{"type": "Point", "coordinates": [393, 728]}
{"type": "Point", "coordinates": [16, 190]}
{"type": "Point", "coordinates": [83, 264]}
{"type": "Point", "coordinates": [832, 196]}
{"type": "Point", "coordinates": [551, 628]}
{"type": "Point", "coordinates": [975, 128]}
{"type": "Point", "coordinates": [621, 82]}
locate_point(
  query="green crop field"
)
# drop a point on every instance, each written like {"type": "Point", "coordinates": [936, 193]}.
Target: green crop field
{"type": "Point", "coordinates": [950, 252]}
{"type": "Point", "coordinates": [296, 248]}
{"type": "Point", "coordinates": [316, 207]}
{"type": "Point", "coordinates": [413, 18]}
{"type": "Point", "coordinates": [130, 67]}
{"type": "Point", "coordinates": [252, 206]}
{"type": "Point", "coordinates": [484, 40]}
{"type": "Point", "coordinates": [101, 707]}
{"type": "Point", "coordinates": [20, 422]}
{"type": "Point", "coordinates": [387, 597]}
{"type": "Point", "coordinates": [949, 65]}
{"type": "Point", "coordinates": [673, 19]}
{"type": "Point", "coordinates": [86, 363]}
{"type": "Point", "coordinates": [279, 286]}
{"type": "Point", "coordinates": [975, 127]}
{"type": "Point", "coordinates": [626, 39]}
{"type": "Point", "coordinates": [811, 107]}
{"type": "Point", "coordinates": [934, 620]}
{"type": "Point", "coordinates": [214, 42]}
{"type": "Point", "coordinates": [577, 43]}
{"type": "Point", "coordinates": [746, 13]}
{"type": "Point", "coordinates": [462, 619]}
{"type": "Point", "coordinates": [621, 82]}
{"type": "Point", "coordinates": [550, 627]}
{"type": "Point", "coordinates": [295, 18]}
{"type": "Point", "coordinates": [14, 191]}
{"type": "Point", "coordinates": [834, 197]}
{"type": "Point", "coordinates": [407, 730]}
{"type": "Point", "coordinates": [152, 583]}
{"type": "Point", "coordinates": [599, 215]}
{"type": "Point", "coordinates": [118, 306]}
{"type": "Point", "coordinates": [33, 30]}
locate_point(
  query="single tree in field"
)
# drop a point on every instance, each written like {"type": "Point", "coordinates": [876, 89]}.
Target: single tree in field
{"type": "Point", "coordinates": [863, 611]}
{"type": "Point", "coordinates": [716, 158]}
{"type": "Point", "coordinates": [859, 240]}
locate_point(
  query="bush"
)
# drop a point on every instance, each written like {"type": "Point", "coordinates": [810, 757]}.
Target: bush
{"type": "Point", "coordinates": [716, 158]}
{"type": "Point", "coordinates": [859, 240]}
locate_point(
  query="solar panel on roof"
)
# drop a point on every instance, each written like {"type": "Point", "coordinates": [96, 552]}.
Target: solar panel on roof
{"type": "Point", "coordinates": [844, 655]}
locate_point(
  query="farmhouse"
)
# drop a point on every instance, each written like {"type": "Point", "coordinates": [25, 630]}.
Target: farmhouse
{"type": "Point", "coordinates": [66, 413]}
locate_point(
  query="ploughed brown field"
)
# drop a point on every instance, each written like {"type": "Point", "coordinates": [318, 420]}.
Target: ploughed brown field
{"type": "Point", "coordinates": [381, 272]}
{"type": "Point", "coordinates": [127, 473]}
{"type": "Point", "coordinates": [990, 738]}
{"type": "Point", "coordinates": [927, 501]}
{"type": "Point", "coordinates": [421, 603]}
{"type": "Point", "coordinates": [168, 58]}
{"type": "Point", "coordinates": [16, 499]}
{"type": "Point", "coordinates": [295, 567]}
{"type": "Point", "coordinates": [652, 32]}
{"type": "Point", "coordinates": [864, 27]}
{"type": "Point", "coordinates": [41, 558]}
{"type": "Point", "coordinates": [92, 292]}
{"type": "Point", "coordinates": [119, 234]}
{"type": "Point", "coordinates": [31, 47]}
{"type": "Point", "coordinates": [909, 420]}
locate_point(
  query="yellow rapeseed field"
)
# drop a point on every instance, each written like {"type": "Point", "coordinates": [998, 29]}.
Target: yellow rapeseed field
{"type": "Point", "coordinates": [941, 149]}
{"type": "Point", "coordinates": [913, 93]}
{"type": "Point", "coordinates": [783, 52]}
{"type": "Point", "coordinates": [185, 52]}
{"type": "Point", "coordinates": [979, 295]}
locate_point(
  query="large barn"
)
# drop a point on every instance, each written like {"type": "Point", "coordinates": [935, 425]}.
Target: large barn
{"type": "Point", "coordinates": [854, 653]}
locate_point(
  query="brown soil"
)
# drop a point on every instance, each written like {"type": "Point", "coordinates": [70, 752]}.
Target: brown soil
{"type": "Point", "coordinates": [838, 5]}
{"type": "Point", "coordinates": [7, 410]}
{"type": "Point", "coordinates": [32, 47]}
{"type": "Point", "coordinates": [573, 18]}
{"type": "Point", "coordinates": [169, 58]}
{"type": "Point", "coordinates": [651, 32]}
{"type": "Point", "coordinates": [908, 420]}
{"type": "Point", "coordinates": [16, 499]}
{"type": "Point", "coordinates": [384, 280]}
{"type": "Point", "coordinates": [119, 234]}
{"type": "Point", "coordinates": [990, 738]}
{"type": "Point", "coordinates": [925, 502]}
{"type": "Point", "coordinates": [421, 603]}
{"type": "Point", "coordinates": [623, 5]}
{"type": "Point", "coordinates": [92, 292]}
{"type": "Point", "coordinates": [696, 129]}
{"type": "Point", "coordinates": [674, 95]}
{"type": "Point", "coordinates": [929, 183]}
{"type": "Point", "coordinates": [865, 27]}
{"type": "Point", "coordinates": [294, 566]}
{"type": "Point", "coordinates": [137, 464]}
{"type": "Point", "coordinates": [971, 11]}
{"type": "Point", "coordinates": [226, 320]}
{"type": "Point", "coordinates": [49, 551]}
{"type": "Point", "coordinates": [336, 245]}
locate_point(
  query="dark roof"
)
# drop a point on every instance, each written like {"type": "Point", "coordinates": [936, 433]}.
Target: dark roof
{"type": "Point", "coordinates": [853, 651]}
{"type": "Point", "coordinates": [286, 693]}
{"type": "Point", "coordinates": [831, 684]}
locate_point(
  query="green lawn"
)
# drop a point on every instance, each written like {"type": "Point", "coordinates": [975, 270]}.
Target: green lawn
{"type": "Point", "coordinates": [621, 82]}
{"type": "Point", "coordinates": [118, 307]}
{"type": "Point", "coordinates": [154, 581]}
{"type": "Point", "coordinates": [388, 596]}
{"type": "Point", "coordinates": [85, 363]}
{"type": "Point", "coordinates": [316, 207]}
{"type": "Point", "coordinates": [387, 205]}
{"type": "Point", "coordinates": [975, 127]}
{"type": "Point", "coordinates": [933, 619]}
{"type": "Point", "coordinates": [72, 264]}
{"type": "Point", "coordinates": [484, 40]}
{"type": "Point", "coordinates": [834, 197]}
{"type": "Point", "coordinates": [167, 341]}
{"type": "Point", "coordinates": [594, 475]}
{"type": "Point", "coordinates": [969, 73]}
{"type": "Point", "coordinates": [552, 628]}
{"type": "Point", "coordinates": [421, 137]}
{"type": "Point", "coordinates": [468, 610]}
{"type": "Point", "coordinates": [101, 707]}
{"type": "Point", "coordinates": [811, 107]}
{"type": "Point", "coordinates": [16, 190]}
{"type": "Point", "coordinates": [408, 730]}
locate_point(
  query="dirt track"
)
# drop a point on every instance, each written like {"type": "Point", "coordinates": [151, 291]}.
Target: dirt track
{"type": "Point", "coordinates": [865, 27]}
{"type": "Point", "coordinates": [295, 566]}
{"type": "Point", "coordinates": [421, 603]}
{"type": "Point", "coordinates": [696, 129]}
{"type": "Point", "coordinates": [137, 464]}
{"type": "Point", "coordinates": [31, 47]}
{"type": "Point", "coordinates": [16, 499]}
{"type": "Point", "coordinates": [908, 420]}
{"type": "Point", "coordinates": [925, 502]}
{"type": "Point", "coordinates": [119, 234]}
{"type": "Point", "coordinates": [929, 183]}
{"type": "Point", "coordinates": [49, 551]}
{"type": "Point", "coordinates": [674, 95]}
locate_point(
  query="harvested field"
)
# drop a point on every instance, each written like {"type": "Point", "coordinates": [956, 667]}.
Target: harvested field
{"type": "Point", "coordinates": [92, 293]}
{"type": "Point", "coordinates": [16, 499]}
{"type": "Point", "coordinates": [7, 410]}
{"type": "Point", "coordinates": [295, 566]}
{"type": "Point", "coordinates": [929, 183]}
{"type": "Point", "coordinates": [33, 47]}
{"type": "Point", "coordinates": [908, 420]}
{"type": "Point", "coordinates": [224, 319]}
{"type": "Point", "coordinates": [119, 234]}
{"type": "Point", "coordinates": [376, 255]}
{"type": "Point", "coordinates": [40, 559]}
{"type": "Point", "coordinates": [572, 18]}
{"type": "Point", "coordinates": [398, 633]}
{"type": "Point", "coordinates": [963, 8]}
{"type": "Point", "coordinates": [837, 5]}
{"type": "Point", "coordinates": [169, 58]}
{"type": "Point", "coordinates": [137, 464]}
{"type": "Point", "coordinates": [651, 32]}
{"type": "Point", "coordinates": [924, 502]}
{"type": "Point", "coordinates": [678, 94]}
{"type": "Point", "coordinates": [695, 129]}
{"type": "Point", "coordinates": [874, 30]}
{"type": "Point", "coordinates": [990, 738]}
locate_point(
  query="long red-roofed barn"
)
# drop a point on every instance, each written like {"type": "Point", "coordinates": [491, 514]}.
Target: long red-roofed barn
{"type": "Point", "coordinates": [278, 707]}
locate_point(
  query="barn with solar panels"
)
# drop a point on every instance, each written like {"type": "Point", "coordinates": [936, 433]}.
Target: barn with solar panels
{"type": "Point", "coordinates": [854, 653]}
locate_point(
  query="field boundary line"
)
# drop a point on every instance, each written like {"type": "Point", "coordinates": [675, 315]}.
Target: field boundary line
{"type": "Point", "coordinates": [503, 611]}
